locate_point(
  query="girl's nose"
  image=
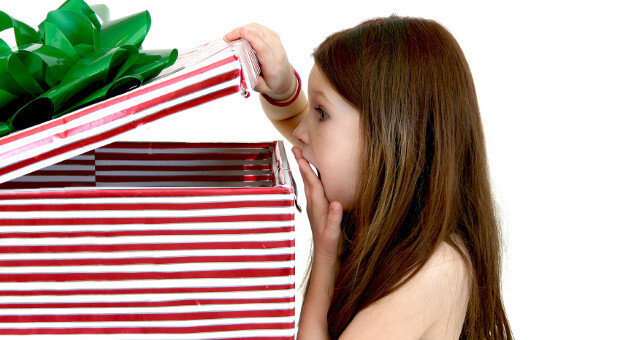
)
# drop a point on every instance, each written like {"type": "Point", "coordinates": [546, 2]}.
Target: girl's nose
{"type": "Point", "coordinates": [300, 133]}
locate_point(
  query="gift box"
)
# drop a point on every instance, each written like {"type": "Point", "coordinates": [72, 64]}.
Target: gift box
{"type": "Point", "coordinates": [148, 240]}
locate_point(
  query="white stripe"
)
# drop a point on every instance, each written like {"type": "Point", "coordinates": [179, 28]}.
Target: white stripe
{"type": "Point", "coordinates": [128, 200]}
{"type": "Point", "coordinates": [154, 323]}
{"type": "Point", "coordinates": [158, 239]}
{"type": "Point", "coordinates": [140, 310]}
{"type": "Point", "coordinates": [151, 297]}
{"type": "Point", "coordinates": [166, 226]}
{"type": "Point", "coordinates": [174, 283]}
{"type": "Point", "coordinates": [69, 167]}
{"type": "Point", "coordinates": [244, 334]}
{"type": "Point", "coordinates": [145, 268]}
{"type": "Point", "coordinates": [149, 254]}
{"type": "Point", "coordinates": [179, 150]}
{"type": "Point", "coordinates": [75, 214]}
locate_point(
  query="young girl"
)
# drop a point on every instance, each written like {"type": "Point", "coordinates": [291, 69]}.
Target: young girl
{"type": "Point", "coordinates": [405, 239]}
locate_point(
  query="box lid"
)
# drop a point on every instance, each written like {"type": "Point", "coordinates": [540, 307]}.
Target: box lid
{"type": "Point", "coordinates": [208, 72]}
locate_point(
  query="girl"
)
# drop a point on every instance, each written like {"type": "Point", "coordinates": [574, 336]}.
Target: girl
{"type": "Point", "coordinates": [405, 239]}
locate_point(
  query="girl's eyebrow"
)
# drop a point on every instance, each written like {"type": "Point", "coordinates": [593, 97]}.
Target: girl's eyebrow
{"type": "Point", "coordinates": [321, 95]}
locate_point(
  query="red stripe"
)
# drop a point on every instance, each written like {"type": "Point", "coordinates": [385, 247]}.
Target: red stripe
{"type": "Point", "coordinates": [145, 260]}
{"type": "Point", "coordinates": [147, 206]}
{"type": "Point", "coordinates": [45, 185]}
{"type": "Point", "coordinates": [200, 168]}
{"type": "Point", "coordinates": [145, 192]}
{"type": "Point", "coordinates": [96, 107]}
{"type": "Point", "coordinates": [149, 316]}
{"type": "Point", "coordinates": [72, 161]}
{"type": "Point", "coordinates": [178, 145]}
{"type": "Point", "coordinates": [137, 291]}
{"type": "Point", "coordinates": [144, 220]}
{"type": "Point", "coordinates": [146, 304]}
{"type": "Point", "coordinates": [133, 124]}
{"type": "Point", "coordinates": [149, 330]}
{"type": "Point", "coordinates": [180, 156]}
{"type": "Point", "coordinates": [121, 233]}
{"type": "Point", "coordinates": [120, 276]}
{"type": "Point", "coordinates": [145, 247]}
{"type": "Point", "coordinates": [177, 178]}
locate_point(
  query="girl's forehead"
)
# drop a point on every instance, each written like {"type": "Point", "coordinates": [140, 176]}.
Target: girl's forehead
{"type": "Point", "coordinates": [319, 86]}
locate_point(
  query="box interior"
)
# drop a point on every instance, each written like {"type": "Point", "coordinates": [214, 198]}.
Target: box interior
{"type": "Point", "coordinates": [159, 164]}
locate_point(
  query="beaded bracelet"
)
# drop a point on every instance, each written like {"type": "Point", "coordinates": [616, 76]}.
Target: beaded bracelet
{"type": "Point", "coordinates": [280, 104]}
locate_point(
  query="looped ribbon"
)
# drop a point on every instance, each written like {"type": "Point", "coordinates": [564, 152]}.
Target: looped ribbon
{"type": "Point", "coordinates": [72, 61]}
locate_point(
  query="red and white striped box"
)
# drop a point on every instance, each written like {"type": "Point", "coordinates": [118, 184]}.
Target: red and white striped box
{"type": "Point", "coordinates": [151, 241]}
{"type": "Point", "coordinates": [147, 240]}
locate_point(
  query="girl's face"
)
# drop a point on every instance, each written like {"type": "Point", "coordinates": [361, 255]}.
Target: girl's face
{"type": "Point", "coordinates": [330, 139]}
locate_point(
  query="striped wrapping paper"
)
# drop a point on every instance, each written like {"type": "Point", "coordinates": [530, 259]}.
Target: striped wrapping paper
{"type": "Point", "coordinates": [151, 241]}
{"type": "Point", "coordinates": [209, 72]}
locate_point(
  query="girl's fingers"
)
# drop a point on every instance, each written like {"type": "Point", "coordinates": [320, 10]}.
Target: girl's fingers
{"type": "Point", "coordinates": [233, 35]}
{"type": "Point", "coordinates": [302, 164]}
{"type": "Point", "coordinates": [236, 32]}
{"type": "Point", "coordinates": [309, 177]}
{"type": "Point", "coordinates": [277, 74]}
{"type": "Point", "coordinates": [325, 218]}
{"type": "Point", "coordinates": [317, 203]}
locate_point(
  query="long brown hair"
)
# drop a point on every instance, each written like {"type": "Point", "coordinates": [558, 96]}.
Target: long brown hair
{"type": "Point", "coordinates": [424, 179]}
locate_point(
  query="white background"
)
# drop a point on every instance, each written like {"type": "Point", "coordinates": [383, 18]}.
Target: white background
{"type": "Point", "coordinates": [546, 75]}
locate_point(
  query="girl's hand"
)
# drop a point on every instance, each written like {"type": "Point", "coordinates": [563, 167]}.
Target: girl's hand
{"type": "Point", "coordinates": [277, 79]}
{"type": "Point", "coordinates": [324, 217]}
{"type": "Point", "coordinates": [325, 220]}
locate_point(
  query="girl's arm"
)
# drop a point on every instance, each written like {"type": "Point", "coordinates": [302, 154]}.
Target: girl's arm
{"type": "Point", "coordinates": [288, 103]}
{"type": "Point", "coordinates": [325, 220]}
{"type": "Point", "coordinates": [286, 118]}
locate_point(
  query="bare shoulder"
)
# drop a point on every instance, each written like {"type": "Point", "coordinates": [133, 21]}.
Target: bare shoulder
{"type": "Point", "coordinates": [432, 305]}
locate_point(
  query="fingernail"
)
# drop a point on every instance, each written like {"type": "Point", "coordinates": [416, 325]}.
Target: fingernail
{"type": "Point", "coordinates": [335, 207]}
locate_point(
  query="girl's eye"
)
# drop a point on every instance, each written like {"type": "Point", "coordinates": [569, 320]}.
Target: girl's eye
{"type": "Point", "coordinates": [322, 113]}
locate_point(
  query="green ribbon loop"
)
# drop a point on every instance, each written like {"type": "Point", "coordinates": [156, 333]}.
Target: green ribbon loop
{"type": "Point", "coordinates": [72, 61]}
{"type": "Point", "coordinates": [24, 34]}
{"type": "Point", "coordinates": [129, 30]}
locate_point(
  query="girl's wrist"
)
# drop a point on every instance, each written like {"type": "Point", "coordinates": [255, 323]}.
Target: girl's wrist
{"type": "Point", "coordinates": [287, 109]}
{"type": "Point", "coordinates": [288, 101]}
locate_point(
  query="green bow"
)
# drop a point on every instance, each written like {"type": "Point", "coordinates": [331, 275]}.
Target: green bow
{"type": "Point", "coordinates": [72, 61]}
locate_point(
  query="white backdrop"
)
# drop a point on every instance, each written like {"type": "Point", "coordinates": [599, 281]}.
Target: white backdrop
{"type": "Point", "coordinates": [546, 75]}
